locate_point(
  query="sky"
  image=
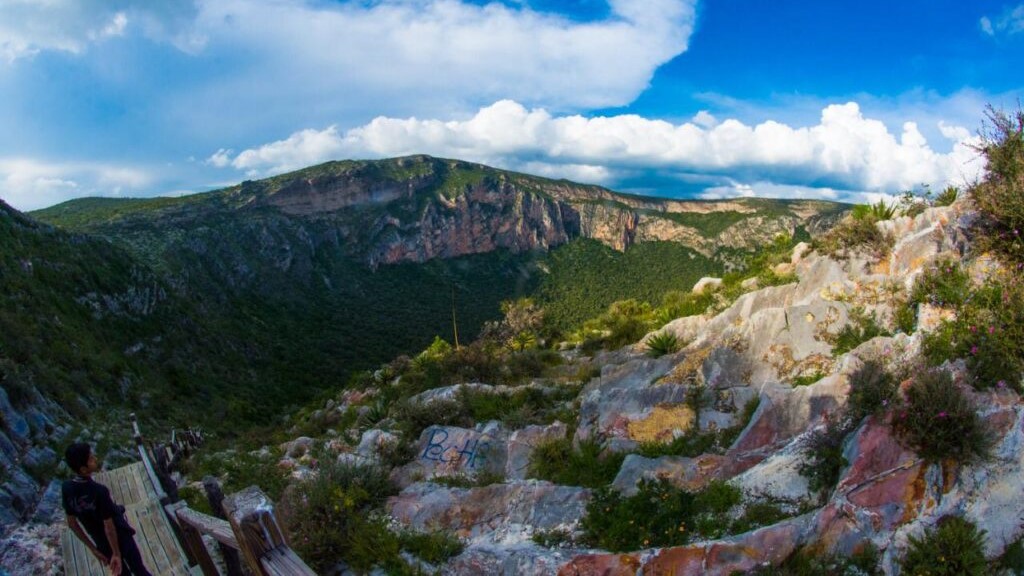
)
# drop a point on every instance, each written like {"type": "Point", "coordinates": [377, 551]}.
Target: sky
{"type": "Point", "coordinates": [849, 101]}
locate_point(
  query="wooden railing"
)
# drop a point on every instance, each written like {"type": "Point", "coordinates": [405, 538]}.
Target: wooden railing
{"type": "Point", "coordinates": [250, 528]}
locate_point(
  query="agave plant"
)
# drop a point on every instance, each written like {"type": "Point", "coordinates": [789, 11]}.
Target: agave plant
{"type": "Point", "coordinates": [662, 343]}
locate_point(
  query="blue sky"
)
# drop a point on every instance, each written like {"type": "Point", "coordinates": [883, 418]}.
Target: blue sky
{"type": "Point", "coordinates": [687, 98]}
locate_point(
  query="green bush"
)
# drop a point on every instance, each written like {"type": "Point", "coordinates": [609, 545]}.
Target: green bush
{"type": "Point", "coordinates": [412, 418]}
{"type": "Point", "coordinates": [625, 322]}
{"type": "Point", "coordinates": [824, 460]}
{"type": "Point", "coordinates": [553, 538]}
{"type": "Point", "coordinates": [944, 284]}
{"type": "Point", "coordinates": [661, 344]}
{"type": "Point", "coordinates": [940, 422]}
{"type": "Point", "coordinates": [954, 547]}
{"type": "Point", "coordinates": [862, 327]}
{"type": "Point", "coordinates": [872, 390]}
{"type": "Point", "coordinates": [807, 379]}
{"type": "Point", "coordinates": [947, 196]}
{"type": "Point", "coordinates": [905, 317]}
{"type": "Point", "coordinates": [660, 514]}
{"type": "Point", "coordinates": [877, 212]}
{"type": "Point", "coordinates": [558, 462]}
{"type": "Point", "coordinates": [854, 234]}
{"type": "Point", "coordinates": [999, 197]}
{"type": "Point", "coordinates": [433, 547]}
{"type": "Point", "coordinates": [1012, 558]}
{"type": "Point", "coordinates": [329, 518]}
{"type": "Point", "coordinates": [988, 332]}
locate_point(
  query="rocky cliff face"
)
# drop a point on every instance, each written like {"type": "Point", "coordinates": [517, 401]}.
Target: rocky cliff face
{"type": "Point", "coordinates": [418, 208]}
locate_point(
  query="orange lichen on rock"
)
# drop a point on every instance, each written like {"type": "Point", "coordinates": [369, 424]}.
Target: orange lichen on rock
{"type": "Point", "coordinates": [662, 423]}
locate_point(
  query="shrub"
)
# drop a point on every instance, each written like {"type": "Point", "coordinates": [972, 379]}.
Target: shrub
{"type": "Point", "coordinates": [988, 331]}
{"type": "Point", "coordinates": [328, 517]}
{"type": "Point", "coordinates": [1012, 558]}
{"type": "Point", "coordinates": [758, 514]}
{"type": "Point", "coordinates": [954, 546]}
{"type": "Point", "coordinates": [947, 196]}
{"type": "Point", "coordinates": [877, 212]}
{"type": "Point", "coordinates": [432, 547]}
{"type": "Point", "coordinates": [854, 234]}
{"type": "Point", "coordinates": [662, 343]}
{"type": "Point", "coordinates": [556, 461]}
{"type": "Point", "coordinates": [553, 538]}
{"type": "Point", "coordinates": [940, 422]}
{"type": "Point", "coordinates": [862, 327]}
{"type": "Point", "coordinates": [412, 418]}
{"type": "Point", "coordinates": [823, 449]}
{"type": "Point", "coordinates": [943, 284]}
{"type": "Point", "coordinates": [872, 390]}
{"type": "Point", "coordinates": [905, 317]}
{"type": "Point", "coordinates": [999, 197]}
{"type": "Point", "coordinates": [807, 379]}
{"type": "Point", "coordinates": [660, 514]}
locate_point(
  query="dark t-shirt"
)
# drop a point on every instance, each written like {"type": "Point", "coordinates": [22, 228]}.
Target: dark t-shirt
{"type": "Point", "coordinates": [90, 502]}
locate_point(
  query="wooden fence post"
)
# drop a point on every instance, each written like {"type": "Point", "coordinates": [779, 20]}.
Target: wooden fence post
{"type": "Point", "coordinates": [193, 541]}
{"type": "Point", "coordinates": [251, 515]}
{"type": "Point", "coordinates": [215, 496]}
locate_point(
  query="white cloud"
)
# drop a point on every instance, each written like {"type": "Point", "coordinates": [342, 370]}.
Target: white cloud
{"type": "Point", "coordinates": [986, 26]}
{"type": "Point", "coordinates": [32, 26]}
{"type": "Point", "coordinates": [28, 184]}
{"type": "Point", "coordinates": [1011, 21]}
{"type": "Point", "coordinates": [844, 151]}
{"type": "Point", "coordinates": [430, 57]}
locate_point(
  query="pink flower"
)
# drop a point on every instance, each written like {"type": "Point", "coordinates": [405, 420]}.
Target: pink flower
{"type": "Point", "coordinates": [991, 329]}
{"type": "Point", "coordinates": [974, 350]}
{"type": "Point", "coordinates": [942, 414]}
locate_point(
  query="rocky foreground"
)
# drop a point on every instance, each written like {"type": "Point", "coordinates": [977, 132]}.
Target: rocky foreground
{"type": "Point", "coordinates": [757, 348]}
{"type": "Point", "coordinates": [754, 352]}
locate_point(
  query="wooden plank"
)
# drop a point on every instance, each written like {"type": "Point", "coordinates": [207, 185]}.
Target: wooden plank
{"type": "Point", "coordinates": [219, 529]}
{"type": "Point", "coordinates": [168, 541]}
{"type": "Point", "coordinates": [77, 558]}
{"type": "Point", "coordinates": [148, 530]}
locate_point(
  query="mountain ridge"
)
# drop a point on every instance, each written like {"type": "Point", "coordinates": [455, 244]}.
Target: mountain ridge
{"type": "Point", "coordinates": [416, 208]}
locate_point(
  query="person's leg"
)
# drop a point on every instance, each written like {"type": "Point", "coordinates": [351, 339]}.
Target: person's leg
{"type": "Point", "coordinates": [131, 558]}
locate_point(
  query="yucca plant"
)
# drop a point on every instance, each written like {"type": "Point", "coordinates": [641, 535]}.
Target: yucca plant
{"type": "Point", "coordinates": [662, 343]}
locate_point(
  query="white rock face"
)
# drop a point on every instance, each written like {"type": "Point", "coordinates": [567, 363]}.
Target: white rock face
{"type": "Point", "coordinates": [706, 283]}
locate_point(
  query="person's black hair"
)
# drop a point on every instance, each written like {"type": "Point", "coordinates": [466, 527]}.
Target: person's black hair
{"type": "Point", "coordinates": [77, 456]}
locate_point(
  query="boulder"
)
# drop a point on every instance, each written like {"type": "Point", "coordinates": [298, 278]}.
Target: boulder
{"type": "Point", "coordinates": [627, 403]}
{"type": "Point", "coordinates": [687, 473]}
{"type": "Point", "coordinates": [778, 477]}
{"type": "Point", "coordinates": [454, 451]}
{"type": "Point", "coordinates": [299, 447]}
{"type": "Point", "coordinates": [706, 283]}
{"type": "Point", "coordinates": [501, 513]}
{"type": "Point", "coordinates": [374, 441]}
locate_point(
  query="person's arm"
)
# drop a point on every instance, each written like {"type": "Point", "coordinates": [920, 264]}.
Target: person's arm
{"type": "Point", "coordinates": [115, 546]}
{"type": "Point", "coordinates": [78, 531]}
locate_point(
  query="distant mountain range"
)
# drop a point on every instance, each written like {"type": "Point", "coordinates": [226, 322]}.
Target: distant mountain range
{"type": "Point", "coordinates": [226, 307]}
